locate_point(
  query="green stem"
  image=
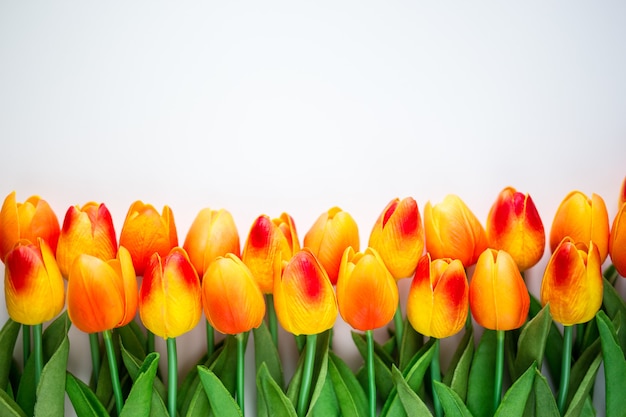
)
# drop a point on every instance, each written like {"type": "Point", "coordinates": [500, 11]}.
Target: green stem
{"type": "Point", "coordinates": [38, 351]}
{"type": "Point", "coordinates": [371, 378]}
{"type": "Point", "coordinates": [307, 374]}
{"type": "Point", "coordinates": [272, 322]}
{"type": "Point", "coordinates": [497, 391]}
{"type": "Point", "coordinates": [26, 342]}
{"type": "Point", "coordinates": [241, 351]}
{"type": "Point", "coordinates": [398, 322]}
{"type": "Point", "coordinates": [150, 341]}
{"type": "Point", "coordinates": [115, 379]}
{"type": "Point", "coordinates": [94, 344]}
{"type": "Point", "coordinates": [210, 339]}
{"type": "Point", "coordinates": [565, 367]}
{"type": "Point", "coordinates": [435, 375]}
{"type": "Point", "coordinates": [172, 376]}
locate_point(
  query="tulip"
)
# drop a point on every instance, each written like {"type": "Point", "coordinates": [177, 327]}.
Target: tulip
{"type": "Point", "coordinates": [89, 230]}
{"type": "Point", "coordinates": [29, 220]}
{"type": "Point", "coordinates": [514, 225]}
{"type": "Point", "coordinates": [583, 219]}
{"type": "Point", "coordinates": [328, 238]}
{"type": "Point", "coordinates": [453, 231]}
{"type": "Point", "coordinates": [145, 232]}
{"type": "Point", "coordinates": [617, 240]}
{"type": "Point", "coordinates": [213, 233]}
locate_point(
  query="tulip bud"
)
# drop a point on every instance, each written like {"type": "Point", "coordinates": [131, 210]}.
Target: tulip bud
{"type": "Point", "coordinates": [145, 232]}
{"type": "Point", "coordinates": [304, 297]}
{"type": "Point", "coordinates": [213, 233]}
{"type": "Point", "coordinates": [367, 293]}
{"type": "Point", "coordinates": [232, 300]}
{"type": "Point", "coordinates": [617, 240]}
{"type": "Point", "coordinates": [453, 231]}
{"type": "Point", "coordinates": [87, 230]}
{"type": "Point", "coordinates": [33, 285]}
{"type": "Point", "coordinates": [438, 298]}
{"type": "Point", "coordinates": [328, 238]}
{"type": "Point", "coordinates": [572, 282]}
{"type": "Point", "coordinates": [622, 194]}
{"type": "Point", "coordinates": [398, 237]}
{"type": "Point", "coordinates": [514, 225]}
{"type": "Point", "coordinates": [498, 296]}
{"type": "Point", "coordinates": [170, 295]}
{"type": "Point", "coordinates": [102, 295]}
{"type": "Point", "coordinates": [582, 219]}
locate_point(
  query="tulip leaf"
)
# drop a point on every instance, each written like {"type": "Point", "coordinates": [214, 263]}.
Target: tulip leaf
{"type": "Point", "coordinates": [104, 386]}
{"type": "Point", "coordinates": [266, 351]}
{"type": "Point", "coordinates": [451, 403]}
{"type": "Point", "coordinates": [199, 403]}
{"type": "Point", "coordinates": [219, 397]}
{"type": "Point", "coordinates": [614, 305]}
{"type": "Point", "coordinates": [8, 406]}
{"type": "Point", "coordinates": [83, 399]}
{"type": "Point", "coordinates": [324, 402]}
{"type": "Point", "coordinates": [514, 401]}
{"type": "Point", "coordinates": [554, 343]}
{"type": "Point", "coordinates": [130, 341]}
{"type": "Point", "coordinates": [190, 382]}
{"type": "Point", "coordinates": [532, 341]}
{"type": "Point", "coordinates": [276, 402]}
{"type": "Point", "coordinates": [581, 367]}
{"type": "Point", "coordinates": [350, 394]}
{"type": "Point", "coordinates": [581, 395]}
{"type": "Point", "coordinates": [459, 368]}
{"type": "Point", "coordinates": [615, 366]}
{"type": "Point", "coordinates": [411, 402]}
{"type": "Point", "coordinates": [481, 377]}
{"type": "Point", "coordinates": [51, 388]}
{"type": "Point", "coordinates": [543, 402]}
{"type": "Point", "coordinates": [412, 341]}
{"type": "Point", "coordinates": [140, 398]}
{"type": "Point", "coordinates": [157, 389]}
{"type": "Point", "coordinates": [382, 364]}
{"type": "Point", "coordinates": [8, 337]}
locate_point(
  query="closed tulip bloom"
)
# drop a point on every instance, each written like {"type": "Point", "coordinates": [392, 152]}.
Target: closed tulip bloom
{"type": "Point", "coordinates": [89, 230]}
{"type": "Point", "coordinates": [304, 297]}
{"type": "Point", "coordinates": [232, 300]}
{"type": "Point", "coordinates": [145, 232]}
{"type": "Point", "coordinates": [583, 219]}
{"type": "Point", "coordinates": [102, 295]}
{"type": "Point", "coordinates": [367, 293]}
{"type": "Point", "coordinates": [617, 240]}
{"type": "Point", "coordinates": [287, 226]}
{"type": "Point", "coordinates": [213, 233]}
{"type": "Point", "coordinates": [514, 225]}
{"type": "Point", "coordinates": [33, 285]}
{"type": "Point", "coordinates": [28, 220]}
{"type": "Point", "coordinates": [328, 238]}
{"type": "Point", "coordinates": [453, 231]}
{"type": "Point", "coordinates": [438, 298]}
{"type": "Point", "coordinates": [572, 282]}
{"type": "Point", "coordinates": [398, 237]}
{"type": "Point", "coordinates": [498, 296]}
{"type": "Point", "coordinates": [170, 295]}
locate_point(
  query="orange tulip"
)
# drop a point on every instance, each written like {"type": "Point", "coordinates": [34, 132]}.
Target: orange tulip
{"type": "Point", "coordinates": [514, 225]}
{"type": "Point", "coordinates": [232, 300]}
{"type": "Point", "coordinates": [498, 296]}
{"type": "Point", "coordinates": [304, 297]}
{"type": "Point", "coordinates": [213, 233]}
{"type": "Point", "coordinates": [583, 219]}
{"type": "Point", "coordinates": [33, 285]}
{"type": "Point", "coordinates": [367, 293]}
{"type": "Point", "coordinates": [398, 237]}
{"type": "Point", "coordinates": [622, 194]}
{"type": "Point", "coordinates": [453, 231]}
{"type": "Point", "coordinates": [170, 295]}
{"type": "Point", "coordinates": [89, 230]}
{"type": "Point", "coordinates": [102, 295]}
{"type": "Point", "coordinates": [617, 240]}
{"type": "Point", "coordinates": [572, 282]}
{"type": "Point", "coordinates": [145, 232]}
{"type": "Point", "coordinates": [328, 238]}
{"type": "Point", "coordinates": [438, 297]}
{"type": "Point", "coordinates": [29, 220]}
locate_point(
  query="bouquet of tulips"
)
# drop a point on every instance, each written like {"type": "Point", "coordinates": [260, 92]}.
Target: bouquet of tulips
{"type": "Point", "coordinates": [517, 354]}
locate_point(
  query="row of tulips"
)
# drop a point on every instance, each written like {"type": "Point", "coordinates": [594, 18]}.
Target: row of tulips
{"type": "Point", "coordinates": [303, 288]}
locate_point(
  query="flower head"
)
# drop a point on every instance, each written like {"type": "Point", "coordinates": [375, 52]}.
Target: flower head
{"type": "Point", "coordinates": [617, 239]}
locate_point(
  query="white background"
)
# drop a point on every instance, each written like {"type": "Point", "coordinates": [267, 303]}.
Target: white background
{"type": "Point", "coordinates": [265, 107]}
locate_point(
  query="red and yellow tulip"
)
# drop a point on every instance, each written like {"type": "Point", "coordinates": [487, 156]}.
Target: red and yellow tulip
{"type": "Point", "coordinates": [438, 298]}
{"type": "Point", "coordinates": [514, 225]}
{"type": "Point", "coordinates": [102, 295]}
{"type": "Point", "coordinates": [572, 282]}
{"type": "Point", "coordinates": [33, 285]}
{"type": "Point", "coordinates": [367, 293]}
{"type": "Point", "coordinates": [89, 230]}
{"type": "Point", "coordinates": [617, 240]}
{"type": "Point", "coordinates": [498, 295]}
{"type": "Point", "coordinates": [170, 295]}
{"type": "Point", "coordinates": [232, 300]}
{"type": "Point", "coordinates": [398, 237]}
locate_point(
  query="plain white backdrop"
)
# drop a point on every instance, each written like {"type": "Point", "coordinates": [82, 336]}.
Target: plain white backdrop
{"type": "Point", "coordinates": [265, 107]}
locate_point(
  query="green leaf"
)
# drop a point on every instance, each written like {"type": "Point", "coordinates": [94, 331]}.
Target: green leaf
{"type": "Point", "coordinates": [85, 402]}
{"type": "Point", "coordinates": [544, 404]}
{"type": "Point", "coordinates": [276, 402]}
{"type": "Point", "coordinates": [614, 305]}
{"type": "Point", "coordinates": [219, 397]}
{"type": "Point", "coordinates": [582, 393]}
{"type": "Point", "coordinates": [532, 342]}
{"type": "Point", "coordinates": [51, 389]}
{"type": "Point", "coordinates": [514, 401]}
{"type": "Point", "coordinates": [615, 366]}
{"type": "Point", "coordinates": [139, 401]}
{"type": "Point", "coordinates": [323, 400]}
{"type": "Point", "coordinates": [136, 369]}
{"type": "Point", "coordinates": [412, 341]}
{"type": "Point", "coordinates": [411, 402]}
{"type": "Point", "coordinates": [581, 367]}
{"type": "Point", "coordinates": [350, 394]}
{"type": "Point", "coordinates": [481, 377]}
{"type": "Point", "coordinates": [451, 403]}
{"type": "Point", "coordinates": [460, 364]}
{"type": "Point", "coordinates": [8, 406]}
{"type": "Point", "coordinates": [199, 403]}
{"type": "Point", "coordinates": [382, 364]}
{"type": "Point", "coordinates": [8, 337]}
{"type": "Point", "coordinates": [131, 341]}
{"type": "Point", "coordinates": [266, 351]}
{"type": "Point", "coordinates": [554, 342]}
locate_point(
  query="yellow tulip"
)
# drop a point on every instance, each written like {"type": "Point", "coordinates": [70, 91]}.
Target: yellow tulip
{"type": "Point", "coordinates": [617, 239]}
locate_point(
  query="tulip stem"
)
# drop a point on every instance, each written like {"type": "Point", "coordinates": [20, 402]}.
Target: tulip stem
{"type": "Point", "coordinates": [115, 379]}
{"type": "Point", "coordinates": [497, 391]}
{"type": "Point", "coordinates": [38, 351]}
{"type": "Point", "coordinates": [398, 322]}
{"type": "Point", "coordinates": [94, 344]}
{"type": "Point", "coordinates": [565, 367]}
{"type": "Point", "coordinates": [26, 342]}
{"type": "Point", "coordinates": [241, 351]}
{"type": "Point", "coordinates": [271, 318]}
{"type": "Point", "coordinates": [172, 376]}
{"type": "Point", "coordinates": [307, 374]}
{"type": "Point", "coordinates": [435, 375]}
{"type": "Point", "coordinates": [371, 378]}
{"type": "Point", "coordinates": [210, 339]}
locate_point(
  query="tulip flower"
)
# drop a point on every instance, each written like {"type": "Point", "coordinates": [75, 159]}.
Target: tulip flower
{"type": "Point", "coordinates": [145, 232]}
{"type": "Point", "coordinates": [617, 240]}
{"type": "Point", "coordinates": [89, 230]}
{"type": "Point", "coordinates": [583, 219]}
{"type": "Point", "coordinates": [514, 225]}
{"type": "Point", "coordinates": [329, 237]}
{"type": "Point", "coordinates": [27, 221]}
{"type": "Point", "coordinates": [453, 231]}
